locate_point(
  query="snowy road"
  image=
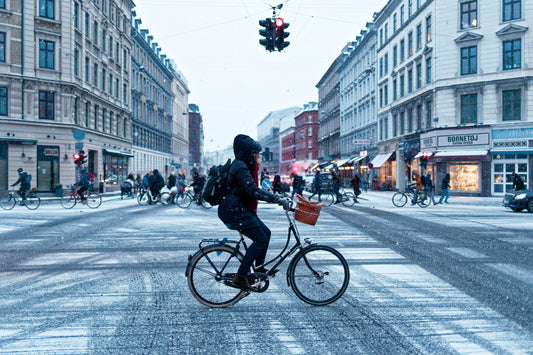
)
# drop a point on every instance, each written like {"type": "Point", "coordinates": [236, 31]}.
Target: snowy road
{"type": "Point", "coordinates": [447, 279]}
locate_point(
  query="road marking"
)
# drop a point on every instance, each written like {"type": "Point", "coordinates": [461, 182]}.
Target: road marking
{"type": "Point", "coordinates": [468, 253]}
{"type": "Point", "coordinates": [286, 338]}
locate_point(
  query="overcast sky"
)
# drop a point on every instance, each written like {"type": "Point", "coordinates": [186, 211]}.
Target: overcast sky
{"type": "Point", "coordinates": [233, 80]}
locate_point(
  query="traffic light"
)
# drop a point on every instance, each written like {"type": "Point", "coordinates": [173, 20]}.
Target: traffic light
{"type": "Point", "coordinates": [80, 158]}
{"type": "Point", "coordinates": [266, 154]}
{"type": "Point", "coordinates": [268, 32]}
{"type": "Point", "coordinates": [280, 35]}
{"type": "Point", "coordinates": [424, 159]}
{"type": "Point", "coordinates": [83, 157]}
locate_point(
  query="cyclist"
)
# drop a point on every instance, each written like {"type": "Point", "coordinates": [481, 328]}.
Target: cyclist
{"type": "Point", "coordinates": [198, 185]}
{"type": "Point", "coordinates": [518, 183]}
{"type": "Point", "coordinates": [83, 185]}
{"type": "Point", "coordinates": [156, 183]}
{"type": "Point", "coordinates": [417, 187]}
{"type": "Point", "coordinates": [24, 181]}
{"type": "Point", "coordinates": [337, 182]}
{"type": "Point", "coordinates": [238, 211]}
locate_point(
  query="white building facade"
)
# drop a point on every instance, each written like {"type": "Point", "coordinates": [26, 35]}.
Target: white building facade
{"type": "Point", "coordinates": [454, 81]}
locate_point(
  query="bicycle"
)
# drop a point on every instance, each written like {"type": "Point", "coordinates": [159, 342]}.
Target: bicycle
{"type": "Point", "coordinates": [93, 200]}
{"type": "Point", "coordinates": [400, 199]}
{"type": "Point", "coordinates": [318, 274]}
{"type": "Point", "coordinates": [347, 198]}
{"type": "Point", "coordinates": [10, 199]}
{"type": "Point", "coordinates": [145, 196]}
{"type": "Point", "coordinates": [185, 199]}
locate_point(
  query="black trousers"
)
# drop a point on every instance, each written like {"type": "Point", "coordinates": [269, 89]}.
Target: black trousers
{"type": "Point", "coordinates": [260, 236]}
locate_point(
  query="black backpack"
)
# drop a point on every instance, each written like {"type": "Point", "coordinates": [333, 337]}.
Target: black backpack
{"type": "Point", "coordinates": [215, 189]}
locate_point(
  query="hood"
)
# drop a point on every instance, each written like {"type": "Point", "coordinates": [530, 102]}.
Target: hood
{"type": "Point", "coordinates": [243, 147]}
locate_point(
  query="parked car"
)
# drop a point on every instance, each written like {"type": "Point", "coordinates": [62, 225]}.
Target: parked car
{"type": "Point", "coordinates": [309, 183]}
{"type": "Point", "coordinates": [519, 200]}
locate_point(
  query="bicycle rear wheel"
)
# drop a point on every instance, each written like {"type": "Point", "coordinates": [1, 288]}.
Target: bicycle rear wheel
{"type": "Point", "coordinates": [7, 201]}
{"type": "Point", "coordinates": [142, 198]}
{"type": "Point", "coordinates": [423, 201]}
{"type": "Point", "coordinates": [164, 198]}
{"type": "Point", "coordinates": [328, 199]}
{"type": "Point", "coordinates": [94, 200]}
{"type": "Point", "coordinates": [68, 201]}
{"type": "Point", "coordinates": [348, 199]}
{"type": "Point", "coordinates": [184, 200]}
{"type": "Point", "coordinates": [209, 274]}
{"type": "Point", "coordinates": [319, 275]}
{"type": "Point", "coordinates": [399, 199]}
{"type": "Point", "coordinates": [32, 201]}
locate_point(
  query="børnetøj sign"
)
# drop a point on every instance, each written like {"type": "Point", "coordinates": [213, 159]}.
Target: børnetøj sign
{"type": "Point", "coordinates": [468, 139]}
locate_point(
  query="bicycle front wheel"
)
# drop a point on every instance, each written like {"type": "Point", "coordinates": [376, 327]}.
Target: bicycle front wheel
{"type": "Point", "coordinates": [7, 201]}
{"type": "Point", "coordinates": [68, 201]}
{"type": "Point", "coordinates": [94, 200]}
{"type": "Point", "coordinates": [399, 199]}
{"type": "Point", "coordinates": [142, 198]}
{"type": "Point", "coordinates": [184, 200]}
{"type": "Point", "coordinates": [319, 275]}
{"type": "Point", "coordinates": [348, 199]}
{"type": "Point", "coordinates": [210, 274]}
{"type": "Point", "coordinates": [328, 199]}
{"type": "Point", "coordinates": [33, 201]}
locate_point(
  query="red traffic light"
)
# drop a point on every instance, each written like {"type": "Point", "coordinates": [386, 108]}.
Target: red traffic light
{"type": "Point", "coordinates": [76, 156]}
{"type": "Point", "coordinates": [279, 22]}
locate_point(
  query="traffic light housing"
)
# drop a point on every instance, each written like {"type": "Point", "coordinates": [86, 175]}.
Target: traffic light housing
{"type": "Point", "coordinates": [280, 35]}
{"type": "Point", "coordinates": [268, 33]}
{"type": "Point", "coordinates": [80, 158]}
{"type": "Point", "coordinates": [424, 159]}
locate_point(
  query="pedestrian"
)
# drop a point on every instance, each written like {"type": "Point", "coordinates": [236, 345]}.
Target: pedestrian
{"type": "Point", "coordinates": [24, 181]}
{"type": "Point", "coordinates": [355, 185]}
{"type": "Point", "coordinates": [238, 211]}
{"type": "Point", "coordinates": [317, 186]}
{"type": "Point", "coordinates": [417, 187]}
{"type": "Point", "coordinates": [428, 188]}
{"type": "Point", "coordinates": [375, 183]}
{"type": "Point", "coordinates": [276, 185]}
{"type": "Point", "coordinates": [336, 184]}
{"type": "Point", "coordinates": [297, 185]}
{"type": "Point", "coordinates": [518, 183]}
{"type": "Point", "coordinates": [445, 187]}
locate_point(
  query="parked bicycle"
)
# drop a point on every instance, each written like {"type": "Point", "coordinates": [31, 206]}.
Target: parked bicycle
{"type": "Point", "coordinates": [400, 199]}
{"type": "Point", "coordinates": [145, 196]}
{"type": "Point", "coordinates": [318, 274]}
{"type": "Point", "coordinates": [185, 199]}
{"type": "Point", "coordinates": [10, 199]}
{"type": "Point", "coordinates": [92, 199]}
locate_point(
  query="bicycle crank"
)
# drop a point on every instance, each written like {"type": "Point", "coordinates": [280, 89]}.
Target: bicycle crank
{"type": "Point", "coordinates": [259, 281]}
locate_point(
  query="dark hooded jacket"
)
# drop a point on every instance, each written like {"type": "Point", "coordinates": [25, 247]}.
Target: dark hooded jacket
{"type": "Point", "coordinates": [235, 210]}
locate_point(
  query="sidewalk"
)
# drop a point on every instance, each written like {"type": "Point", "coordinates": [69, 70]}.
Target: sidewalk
{"type": "Point", "coordinates": [452, 200]}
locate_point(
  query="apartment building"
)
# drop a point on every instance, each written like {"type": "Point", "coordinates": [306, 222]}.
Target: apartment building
{"type": "Point", "coordinates": [64, 86]}
{"type": "Point", "coordinates": [457, 89]}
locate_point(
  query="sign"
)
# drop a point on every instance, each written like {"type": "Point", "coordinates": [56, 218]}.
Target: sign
{"type": "Point", "coordinates": [370, 165]}
{"type": "Point", "coordinates": [361, 141]}
{"type": "Point", "coordinates": [78, 134]}
{"type": "Point", "coordinates": [363, 153]}
{"type": "Point", "coordinates": [51, 152]}
{"type": "Point", "coordinates": [468, 139]}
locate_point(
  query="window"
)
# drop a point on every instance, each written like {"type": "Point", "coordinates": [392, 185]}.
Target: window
{"type": "Point", "coordinates": [428, 114]}
{"type": "Point", "coordinates": [46, 8]}
{"type": "Point", "coordinates": [95, 116]}
{"type": "Point", "coordinates": [402, 11]}
{"type": "Point", "coordinates": [428, 70]}
{"type": "Point", "coordinates": [380, 67]}
{"type": "Point", "coordinates": [418, 3]}
{"type": "Point", "coordinates": [46, 105]}
{"type": "Point", "coordinates": [3, 101]}
{"type": "Point", "coordinates": [469, 60]}
{"type": "Point", "coordinates": [111, 84]}
{"type": "Point", "coordinates": [386, 63]}
{"type": "Point", "coordinates": [394, 90]}
{"type": "Point", "coordinates": [381, 37]}
{"type": "Point", "coordinates": [512, 10]}
{"type": "Point", "coordinates": [124, 59]}
{"type": "Point", "coordinates": [394, 125]}
{"type": "Point", "coordinates": [2, 47]}
{"type": "Point", "coordinates": [402, 50]}
{"type": "Point", "coordinates": [409, 120]}
{"type": "Point", "coordinates": [419, 117]}
{"type": "Point", "coordinates": [3, 4]}
{"type": "Point", "coordinates": [309, 144]}
{"type": "Point", "coordinates": [381, 97]}
{"type": "Point", "coordinates": [419, 75]}
{"type": "Point", "coordinates": [310, 131]}
{"type": "Point", "coordinates": [110, 46]}
{"type": "Point", "coordinates": [46, 54]}
{"type": "Point", "coordinates": [386, 94]}
{"type": "Point", "coordinates": [386, 32]}
{"type": "Point", "coordinates": [402, 85]}
{"type": "Point", "coordinates": [428, 29]}
{"type": "Point", "coordinates": [511, 54]}
{"type": "Point", "coordinates": [402, 122]}
{"type": "Point", "coordinates": [76, 15]}
{"type": "Point", "coordinates": [410, 80]}
{"type": "Point", "coordinates": [394, 20]}
{"type": "Point", "coordinates": [95, 75]}
{"type": "Point", "coordinates": [76, 62]}
{"type": "Point", "coordinates": [87, 25]}
{"type": "Point", "coordinates": [124, 93]}
{"type": "Point", "coordinates": [410, 44]}
{"type": "Point", "coordinates": [86, 114]}
{"type": "Point", "coordinates": [394, 56]}
{"type": "Point", "coordinates": [103, 79]}
{"type": "Point", "coordinates": [511, 105]}
{"type": "Point", "coordinates": [95, 34]}
{"type": "Point", "coordinates": [386, 127]}
{"type": "Point", "coordinates": [468, 14]}
{"type": "Point", "coordinates": [469, 108]}
{"type": "Point", "coordinates": [116, 88]}
{"type": "Point", "coordinates": [419, 36]}
{"type": "Point", "coordinates": [87, 69]}
{"type": "Point", "coordinates": [409, 8]}
{"type": "Point", "coordinates": [104, 38]}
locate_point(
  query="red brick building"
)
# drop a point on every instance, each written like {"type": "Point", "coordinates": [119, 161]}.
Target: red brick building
{"type": "Point", "coordinates": [196, 137]}
{"type": "Point", "coordinates": [306, 137]}
{"type": "Point", "coordinates": [287, 151]}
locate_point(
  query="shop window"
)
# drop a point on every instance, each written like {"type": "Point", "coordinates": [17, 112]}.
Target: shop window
{"type": "Point", "coordinates": [464, 177]}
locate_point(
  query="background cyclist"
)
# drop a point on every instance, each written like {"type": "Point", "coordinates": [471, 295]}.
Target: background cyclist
{"type": "Point", "coordinates": [24, 181]}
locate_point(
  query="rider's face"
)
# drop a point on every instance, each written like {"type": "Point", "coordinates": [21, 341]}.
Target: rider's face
{"type": "Point", "coordinates": [256, 157]}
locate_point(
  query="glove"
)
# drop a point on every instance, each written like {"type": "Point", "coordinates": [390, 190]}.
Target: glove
{"type": "Point", "coordinates": [282, 201]}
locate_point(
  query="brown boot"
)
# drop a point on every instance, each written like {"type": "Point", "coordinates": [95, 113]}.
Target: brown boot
{"type": "Point", "coordinates": [243, 282]}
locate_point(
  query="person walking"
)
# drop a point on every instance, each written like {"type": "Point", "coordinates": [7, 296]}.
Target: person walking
{"type": "Point", "coordinates": [336, 184]}
{"type": "Point", "coordinates": [445, 187]}
{"type": "Point", "coordinates": [355, 185]}
{"type": "Point", "coordinates": [317, 186]}
{"type": "Point", "coordinates": [238, 211]}
{"type": "Point", "coordinates": [428, 188]}
{"type": "Point", "coordinates": [297, 185]}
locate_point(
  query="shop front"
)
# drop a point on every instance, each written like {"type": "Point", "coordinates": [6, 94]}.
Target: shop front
{"type": "Point", "coordinates": [116, 166]}
{"type": "Point", "coordinates": [47, 167]}
{"type": "Point", "coordinates": [383, 171]}
{"type": "Point", "coordinates": [464, 154]}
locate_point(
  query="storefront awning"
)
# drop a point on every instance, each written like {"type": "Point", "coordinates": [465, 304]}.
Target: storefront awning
{"type": "Point", "coordinates": [339, 163]}
{"type": "Point", "coordinates": [117, 152]}
{"type": "Point", "coordinates": [420, 154]}
{"type": "Point", "coordinates": [354, 159]}
{"type": "Point", "coordinates": [461, 153]}
{"type": "Point", "coordinates": [380, 159]}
